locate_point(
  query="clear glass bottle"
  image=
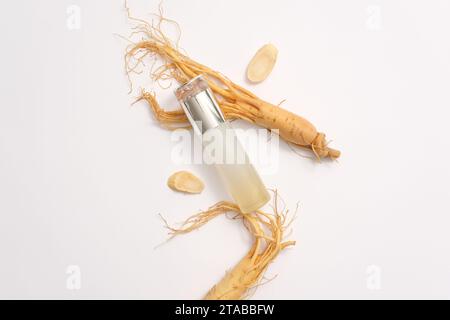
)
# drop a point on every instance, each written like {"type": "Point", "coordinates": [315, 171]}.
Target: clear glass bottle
{"type": "Point", "coordinates": [221, 146]}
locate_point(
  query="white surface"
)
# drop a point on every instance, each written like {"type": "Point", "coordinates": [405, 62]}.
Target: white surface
{"type": "Point", "coordinates": [82, 175]}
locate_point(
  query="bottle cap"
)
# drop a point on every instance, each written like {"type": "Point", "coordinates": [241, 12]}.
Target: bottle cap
{"type": "Point", "coordinates": [199, 104]}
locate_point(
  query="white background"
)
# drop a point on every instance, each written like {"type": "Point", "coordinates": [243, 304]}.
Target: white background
{"type": "Point", "coordinates": [82, 174]}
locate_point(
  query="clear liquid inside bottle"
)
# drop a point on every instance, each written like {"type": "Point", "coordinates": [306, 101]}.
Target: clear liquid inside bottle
{"type": "Point", "coordinates": [223, 149]}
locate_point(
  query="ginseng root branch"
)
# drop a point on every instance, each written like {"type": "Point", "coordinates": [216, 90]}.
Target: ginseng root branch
{"type": "Point", "coordinates": [267, 230]}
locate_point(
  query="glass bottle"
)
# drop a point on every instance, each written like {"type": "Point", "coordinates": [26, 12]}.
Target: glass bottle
{"type": "Point", "coordinates": [221, 146]}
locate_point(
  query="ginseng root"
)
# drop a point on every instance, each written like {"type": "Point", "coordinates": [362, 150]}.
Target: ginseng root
{"type": "Point", "coordinates": [267, 230]}
{"type": "Point", "coordinates": [236, 102]}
